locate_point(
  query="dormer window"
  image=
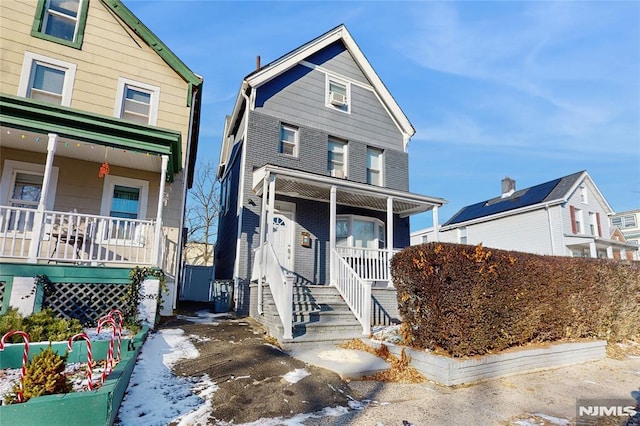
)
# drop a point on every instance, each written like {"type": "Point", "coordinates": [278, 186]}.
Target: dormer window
{"type": "Point", "coordinates": [61, 21]}
{"type": "Point", "coordinates": [338, 94]}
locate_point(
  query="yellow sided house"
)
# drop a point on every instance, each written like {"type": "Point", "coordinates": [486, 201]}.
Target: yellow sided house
{"type": "Point", "coordinates": [98, 138]}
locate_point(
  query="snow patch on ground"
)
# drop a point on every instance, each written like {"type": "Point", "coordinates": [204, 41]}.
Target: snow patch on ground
{"type": "Point", "coordinates": [296, 375]}
{"type": "Point", "coordinates": [155, 396]}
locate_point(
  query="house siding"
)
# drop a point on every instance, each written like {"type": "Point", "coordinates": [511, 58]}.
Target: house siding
{"type": "Point", "coordinates": [337, 59]}
{"type": "Point", "coordinates": [299, 95]}
{"type": "Point", "coordinates": [264, 138]}
{"type": "Point", "coordinates": [99, 66]}
{"type": "Point", "coordinates": [592, 205]}
{"type": "Point", "coordinates": [524, 232]}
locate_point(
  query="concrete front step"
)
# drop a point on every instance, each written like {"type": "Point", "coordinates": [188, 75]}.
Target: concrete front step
{"type": "Point", "coordinates": [320, 317]}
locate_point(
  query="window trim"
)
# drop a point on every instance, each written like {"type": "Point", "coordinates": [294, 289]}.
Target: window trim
{"type": "Point", "coordinates": [28, 65]}
{"type": "Point", "coordinates": [12, 167]}
{"type": "Point", "coordinates": [110, 181]}
{"type": "Point", "coordinates": [154, 103]}
{"type": "Point", "coordinates": [381, 171]}
{"type": "Point", "coordinates": [296, 145]}
{"type": "Point", "coordinates": [346, 109]}
{"type": "Point", "coordinates": [37, 29]}
{"type": "Point", "coordinates": [349, 218]}
{"type": "Point", "coordinates": [345, 156]}
{"type": "Point", "coordinates": [584, 195]}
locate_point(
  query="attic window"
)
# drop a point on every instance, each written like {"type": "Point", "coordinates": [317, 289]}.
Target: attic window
{"type": "Point", "coordinates": [61, 21]}
{"type": "Point", "coordinates": [338, 95]}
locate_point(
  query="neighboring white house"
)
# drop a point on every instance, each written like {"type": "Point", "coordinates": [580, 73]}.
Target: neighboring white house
{"type": "Point", "coordinates": [567, 216]}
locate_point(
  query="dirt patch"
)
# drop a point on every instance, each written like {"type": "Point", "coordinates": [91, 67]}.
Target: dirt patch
{"type": "Point", "coordinates": [250, 373]}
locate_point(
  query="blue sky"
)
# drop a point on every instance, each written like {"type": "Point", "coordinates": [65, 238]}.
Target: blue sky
{"type": "Point", "coordinates": [529, 90]}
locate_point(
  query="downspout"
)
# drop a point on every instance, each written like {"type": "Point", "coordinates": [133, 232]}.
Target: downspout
{"type": "Point", "coordinates": [389, 240]}
{"type": "Point", "coordinates": [553, 244]}
{"type": "Point", "coordinates": [240, 206]}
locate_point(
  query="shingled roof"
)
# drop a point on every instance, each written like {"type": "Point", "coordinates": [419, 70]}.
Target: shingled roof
{"type": "Point", "coordinates": [554, 190]}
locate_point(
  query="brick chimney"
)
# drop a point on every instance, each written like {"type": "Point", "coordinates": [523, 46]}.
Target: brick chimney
{"type": "Point", "coordinates": [508, 187]}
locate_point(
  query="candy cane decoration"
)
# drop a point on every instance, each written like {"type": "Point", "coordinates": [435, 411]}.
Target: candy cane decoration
{"type": "Point", "coordinates": [25, 358]}
{"type": "Point", "coordinates": [120, 320]}
{"type": "Point", "coordinates": [108, 367]}
{"type": "Point", "coordinates": [89, 356]}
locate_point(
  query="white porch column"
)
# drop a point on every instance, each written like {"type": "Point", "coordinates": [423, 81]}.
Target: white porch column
{"type": "Point", "coordinates": [38, 219]}
{"type": "Point", "coordinates": [389, 239]}
{"type": "Point", "coordinates": [623, 254]}
{"type": "Point", "coordinates": [271, 207]}
{"type": "Point", "coordinates": [332, 234]}
{"type": "Point", "coordinates": [263, 235]}
{"type": "Point", "coordinates": [436, 225]}
{"type": "Point", "coordinates": [158, 230]}
{"type": "Point", "coordinates": [610, 252]}
{"type": "Point", "coordinates": [593, 251]}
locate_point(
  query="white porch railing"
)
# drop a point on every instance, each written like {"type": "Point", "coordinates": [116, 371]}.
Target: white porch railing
{"type": "Point", "coordinates": [75, 237]}
{"type": "Point", "coordinates": [280, 282]}
{"type": "Point", "coordinates": [369, 264]}
{"type": "Point", "coordinates": [355, 290]}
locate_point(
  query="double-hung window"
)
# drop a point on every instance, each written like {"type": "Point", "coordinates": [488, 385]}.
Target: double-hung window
{"type": "Point", "coordinates": [338, 94]}
{"type": "Point", "coordinates": [61, 21]}
{"type": "Point", "coordinates": [46, 79]}
{"type": "Point", "coordinates": [20, 190]}
{"type": "Point", "coordinates": [137, 102]}
{"type": "Point", "coordinates": [337, 158]}
{"type": "Point", "coordinates": [288, 140]}
{"type": "Point", "coordinates": [124, 200]}
{"type": "Point", "coordinates": [374, 166]}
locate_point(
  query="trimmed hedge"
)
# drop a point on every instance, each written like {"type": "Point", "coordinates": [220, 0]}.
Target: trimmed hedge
{"type": "Point", "coordinates": [471, 300]}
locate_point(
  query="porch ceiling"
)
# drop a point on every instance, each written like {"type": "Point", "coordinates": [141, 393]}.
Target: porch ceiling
{"type": "Point", "coordinates": [298, 184]}
{"type": "Point", "coordinates": [26, 123]}
{"type": "Point", "coordinates": [72, 148]}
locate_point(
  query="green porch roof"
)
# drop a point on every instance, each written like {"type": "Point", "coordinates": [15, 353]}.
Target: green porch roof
{"type": "Point", "coordinates": [30, 115]}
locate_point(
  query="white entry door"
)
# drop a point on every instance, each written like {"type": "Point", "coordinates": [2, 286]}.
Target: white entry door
{"type": "Point", "coordinates": [282, 238]}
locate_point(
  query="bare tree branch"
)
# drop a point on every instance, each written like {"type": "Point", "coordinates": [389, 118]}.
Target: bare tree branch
{"type": "Point", "coordinates": [203, 205]}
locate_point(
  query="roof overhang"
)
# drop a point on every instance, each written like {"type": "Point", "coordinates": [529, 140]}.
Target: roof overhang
{"type": "Point", "coordinates": [310, 186]}
{"type": "Point", "coordinates": [572, 240]}
{"type": "Point", "coordinates": [43, 118]}
{"type": "Point", "coordinates": [341, 33]}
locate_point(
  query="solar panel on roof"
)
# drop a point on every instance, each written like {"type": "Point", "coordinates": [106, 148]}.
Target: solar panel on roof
{"type": "Point", "coordinates": [535, 194]}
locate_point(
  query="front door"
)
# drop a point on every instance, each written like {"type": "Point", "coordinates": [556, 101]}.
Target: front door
{"type": "Point", "coordinates": [282, 236]}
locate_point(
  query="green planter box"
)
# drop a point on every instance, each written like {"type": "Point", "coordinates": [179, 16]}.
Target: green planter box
{"type": "Point", "coordinates": [98, 407]}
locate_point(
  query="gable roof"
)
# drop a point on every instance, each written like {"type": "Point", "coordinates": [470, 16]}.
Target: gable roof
{"type": "Point", "coordinates": [553, 191]}
{"type": "Point", "coordinates": [117, 7]}
{"type": "Point", "coordinates": [294, 57]}
{"type": "Point", "coordinates": [194, 92]}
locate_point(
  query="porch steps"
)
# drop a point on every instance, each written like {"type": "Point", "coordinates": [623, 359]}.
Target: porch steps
{"type": "Point", "coordinates": [320, 317]}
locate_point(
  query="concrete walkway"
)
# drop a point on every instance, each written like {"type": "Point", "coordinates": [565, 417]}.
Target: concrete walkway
{"type": "Point", "coordinates": [525, 399]}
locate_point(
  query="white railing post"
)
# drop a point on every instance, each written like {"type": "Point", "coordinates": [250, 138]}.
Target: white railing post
{"type": "Point", "coordinates": [366, 308]}
{"type": "Point", "coordinates": [287, 320]}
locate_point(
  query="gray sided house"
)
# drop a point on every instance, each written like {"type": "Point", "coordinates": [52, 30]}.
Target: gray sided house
{"type": "Point", "coordinates": [315, 201]}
